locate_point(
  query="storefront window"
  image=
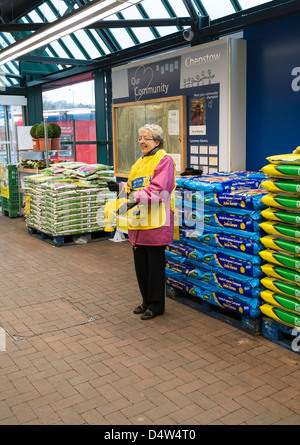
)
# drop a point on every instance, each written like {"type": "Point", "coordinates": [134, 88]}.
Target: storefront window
{"type": "Point", "coordinates": [72, 106]}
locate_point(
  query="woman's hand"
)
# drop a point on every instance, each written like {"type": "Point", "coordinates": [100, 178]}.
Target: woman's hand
{"type": "Point", "coordinates": [113, 186]}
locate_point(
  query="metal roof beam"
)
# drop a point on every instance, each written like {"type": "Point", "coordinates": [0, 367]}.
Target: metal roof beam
{"type": "Point", "coordinates": [130, 54]}
{"type": "Point", "coordinates": [172, 21]}
{"type": "Point", "coordinates": [105, 35]}
{"type": "Point", "coordinates": [144, 14]}
{"type": "Point", "coordinates": [236, 5]}
{"type": "Point", "coordinates": [13, 27]}
{"type": "Point", "coordinates": [251, 17]}
{"type": "Point", "coordinates": [191, 10]}
{"type": "Point", "coordinates": [200, 7]}
{"type": "Point", "coordinates": [134, 23]}
{"type": "Point", "coordinates": [217, 28]}
{"type": "Point", "coordinates": [53, 60]}
{"type": "Point", "coordinates": [13, 76]}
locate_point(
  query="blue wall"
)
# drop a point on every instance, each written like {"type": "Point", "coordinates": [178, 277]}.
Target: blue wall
{"type": "Point", "coordinates": [273, 107]}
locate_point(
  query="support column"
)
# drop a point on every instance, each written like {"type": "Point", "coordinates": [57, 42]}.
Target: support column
{"type": "Point", "coordinates": [103, 113]}
{"type": "Point", "coordinates": [35, 105]}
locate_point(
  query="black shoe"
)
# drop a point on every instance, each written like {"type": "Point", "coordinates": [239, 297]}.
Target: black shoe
{"type": "Point", "coordinates": [140, 309]}
{"type": "Point", "coordinates": [149, 314]}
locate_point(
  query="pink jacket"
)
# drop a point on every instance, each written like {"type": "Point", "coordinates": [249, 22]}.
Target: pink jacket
{"type": "Point", "coordinates": [163, 180]}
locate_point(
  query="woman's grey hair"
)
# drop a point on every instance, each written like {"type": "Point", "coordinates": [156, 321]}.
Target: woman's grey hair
{"type": "Point", "coordinates": [155, 131]}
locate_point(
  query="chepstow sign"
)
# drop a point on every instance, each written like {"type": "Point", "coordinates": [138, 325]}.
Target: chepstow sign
{"type": "Point", "coordinates": [196, 61]}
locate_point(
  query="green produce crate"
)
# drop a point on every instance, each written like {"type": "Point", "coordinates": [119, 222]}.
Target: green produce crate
{"type": "Point", "coordinates": [10, 211]}
{"type": "Point", "coordinates": [10, 207]}
{"type": "Point", "coordinates": [12, 175]}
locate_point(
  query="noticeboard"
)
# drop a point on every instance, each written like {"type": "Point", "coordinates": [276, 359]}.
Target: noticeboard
{"type": "Point", "coordinates": [169, 113]}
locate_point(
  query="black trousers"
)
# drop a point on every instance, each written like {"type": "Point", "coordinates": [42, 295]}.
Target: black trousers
{"type": "Point", "coordinates": [149, 264]}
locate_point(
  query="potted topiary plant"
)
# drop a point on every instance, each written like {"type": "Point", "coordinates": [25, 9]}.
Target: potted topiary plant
{"type": "Point", "coordinates": [40, 134]}
{"type": "Point", "coordinates": [35, 140]}
{"type": "Point", "coordinates": [56, 132]}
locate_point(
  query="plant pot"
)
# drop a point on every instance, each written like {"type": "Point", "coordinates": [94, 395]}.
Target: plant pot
{"type": "Point", "coordinates": [43, 144]}
{"type": "Point", "coordinates": [36, 144]}
{"type": "Point", "coordinates": [55, 144]}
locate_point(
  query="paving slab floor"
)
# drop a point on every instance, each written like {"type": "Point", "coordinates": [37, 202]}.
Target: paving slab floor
{"type": "Point", "coordinates": [73, 352]}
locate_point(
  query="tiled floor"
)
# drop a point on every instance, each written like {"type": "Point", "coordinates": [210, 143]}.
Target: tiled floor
{"type": "Point", "coordinates": [76, 354]}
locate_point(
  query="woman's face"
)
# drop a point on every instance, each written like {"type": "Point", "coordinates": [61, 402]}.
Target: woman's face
{"type": "Point", "coordinates": [147, 143]}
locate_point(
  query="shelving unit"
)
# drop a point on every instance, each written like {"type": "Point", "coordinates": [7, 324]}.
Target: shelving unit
{"type": "Point", "coordinates": [26, 148]}
{"type": "Point", "coordinates": [27, 171]}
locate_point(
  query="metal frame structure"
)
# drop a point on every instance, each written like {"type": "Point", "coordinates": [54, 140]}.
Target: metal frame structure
{"type": "Point", "coordinates": [46, 64]}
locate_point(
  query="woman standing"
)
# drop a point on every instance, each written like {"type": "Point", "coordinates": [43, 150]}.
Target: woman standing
{"type": "Point", "coordinates": [151, 218]}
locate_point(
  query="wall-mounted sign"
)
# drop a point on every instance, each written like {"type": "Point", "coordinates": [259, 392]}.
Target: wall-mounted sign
{"type": "Point", "coordinates": [204, 75]}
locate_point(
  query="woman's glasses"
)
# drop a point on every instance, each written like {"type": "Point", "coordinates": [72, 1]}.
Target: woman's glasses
{"type": "Point", "coordinates": [145, 139]}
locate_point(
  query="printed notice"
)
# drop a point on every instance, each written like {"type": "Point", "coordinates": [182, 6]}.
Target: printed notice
{"type": "Point", "coordinates": [203, 123]}
{"type": "Point", "coordinates": [213, 150]}
{"type": "Point", "coordinates": [177, 159]}
{"type": "Point", "coordinates": [213, 161]}
{"type": "Point", "coordinates": [194, 160]}
{"type": "Point", "coordinates": [203, 160]}
{"type": "Point", "coordinates": [194, 149]}
{"type": "Point", "coordinates": [173, 124]}
{"type": "Point", "coordinates": [27, 204]}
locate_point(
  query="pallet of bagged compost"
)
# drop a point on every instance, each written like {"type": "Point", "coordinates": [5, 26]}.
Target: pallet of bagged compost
{"type": "Point", "coordinates": [234, 318]}
{"type": "Point", "coordinates": [281, 334]}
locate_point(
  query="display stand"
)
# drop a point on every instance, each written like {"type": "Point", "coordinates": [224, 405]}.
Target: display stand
{"type": "Point", "coordinates": [119, 233]}
{"type": "Point", "coordinates": [118, 237]}
{"type": "Point", "coordinates": [24, 145]}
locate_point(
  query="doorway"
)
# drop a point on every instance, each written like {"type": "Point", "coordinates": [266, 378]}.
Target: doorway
{"type": "Point", "coordinates": [10, 117]}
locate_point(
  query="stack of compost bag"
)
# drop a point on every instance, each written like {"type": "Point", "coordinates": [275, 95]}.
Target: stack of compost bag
{"type": "Point", "coordinates": [68, 198]}
{"type": "Point", "coordinates": [219, 260]}
{"type": "Point", "coordinates": [281, 295]}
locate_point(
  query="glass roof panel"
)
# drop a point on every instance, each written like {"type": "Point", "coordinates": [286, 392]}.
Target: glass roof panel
{"type": "Point", "coordinates": [7, 36]}
{"type": "Point", "coordinates": [100, 41]}
{"type": "Point", "coordinates": [58, 49]}
{"type": "Point", "coordinates": [87, 44]}
{"type": "Point", "coordinates": [122, 37]}
{"type": "Point", "coordinates": [132, 13]}
{"type": "Point", "coordinates": [4, 81]}
{"type": "Point", "coordinates": [216, 8]}
{"type": "Point", "coordinates": [10, 79]}
{"type": "Point", "coordinates": [143, 34]}
{"type": "Point", "coordinates": [250, 3]}
{"type": "Point", "coordinates": [166, 30]}
{"type": "Point", "coordinates": [35, 17]}
{"type": "Point", "coordinates": [120, 34]}
{"type": "Point", "coordinates": [179, 8]}
{"type": "Point", "coordinates": [154, 9]}
{"type": "Point", "coordinates": [73, 48]}
{"type": "Point", "coordinates": [60, 6]}
{"type": "Point", "coordinates": [11, 68]}
{"type": "Point", "coordinates": [47, 12]}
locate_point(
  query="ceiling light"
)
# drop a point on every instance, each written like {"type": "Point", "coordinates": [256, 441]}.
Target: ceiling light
{"type": "Point", "coordinates": [86, 15]}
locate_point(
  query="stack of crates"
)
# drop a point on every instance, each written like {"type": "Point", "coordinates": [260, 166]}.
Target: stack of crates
{"type": "Point", "coordinates": [10, 198]}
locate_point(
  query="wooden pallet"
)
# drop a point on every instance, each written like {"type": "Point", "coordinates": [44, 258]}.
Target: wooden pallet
{"type": "Point", "coordinates": [244, 322]}
{"type": "Point", "coordinates": [281, 334]}
{"type": "Point", "coordinates": [68, 240]}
